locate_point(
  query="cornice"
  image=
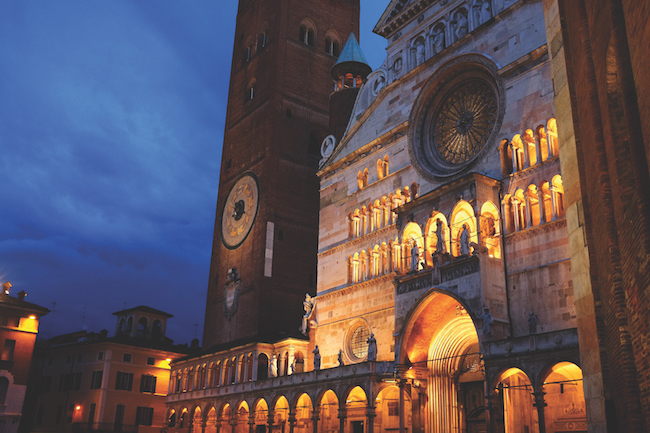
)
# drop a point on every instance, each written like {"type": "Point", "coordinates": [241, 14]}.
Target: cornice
{"type": "Point", "coordinates": [370, 237]}
{"type": "Point", "coordinates": [350, 288]}
{"type": "Point", "coordinates": [515, 237]}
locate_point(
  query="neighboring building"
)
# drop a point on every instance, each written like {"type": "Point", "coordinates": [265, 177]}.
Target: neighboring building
{"type": "Point", "coordinates": [18, 329]}
{"type": "Point", "coordinates": [91, 382]}
{"type": "Point", "coordinates": [445, 294]}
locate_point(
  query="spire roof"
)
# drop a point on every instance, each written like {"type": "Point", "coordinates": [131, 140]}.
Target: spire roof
{"type": "Point", "coordinates": [352, 52]}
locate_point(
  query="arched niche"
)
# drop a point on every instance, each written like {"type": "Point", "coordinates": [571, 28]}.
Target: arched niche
{"type": "Point", "coordinates": [303, 410]}
{"type": "Point", "coordinates": [463, 213]}
{"type": "Point", "coordinates": [226, 418]}
{"type": "Point", "coordinates": [328, 404]}
{"type": "Point", "coordinates": [564, 398]}
{"type": "Point", "coordinates": [211, 421]}
{"type": "Point", "coordinates": [261, 412]}
{"type": "Point", "coordinates": [432, 235]}
{"type": "Point", "coordinates": [356, 404]}
{"type": "Point", "coordinates": [412, 233]}
{"type": "Point", "coordinates": [196, 420]}
{"type": "Point", "coordinates": [387, 409]}
{"type": "Point", "coordinates": [281, 413]}
{"type": "Point", "coordinates": [490, 224]}
{"type": "Point", "coordinates": [242, 416]}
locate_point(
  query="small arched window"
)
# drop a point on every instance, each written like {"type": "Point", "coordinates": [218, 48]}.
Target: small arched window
{"type": "Point", "coordinates": [250, 91]}
{"type": "Point", "coordinates": [307, 35]}
{"type": "Point", "coordinates": [142, 326]}
{"type": "Point", "coordinates": [129, 324]}
{"type": "Point", "coordinates": [262, 39]}
{"type": "Point", "coordinates": [156, 332]}
{"type": "Point", "coordinates": [331, 46]}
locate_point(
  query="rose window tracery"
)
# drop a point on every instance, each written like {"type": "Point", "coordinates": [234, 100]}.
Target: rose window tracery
{"type": "Point", "coordinates": [464, 122]}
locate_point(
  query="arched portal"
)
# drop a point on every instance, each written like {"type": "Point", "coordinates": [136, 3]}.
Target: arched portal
{"type": "Point", "coordinates": [439, 349]}
{"type": "Point", "coordinates": [196, 420]}
{"type": "Point", "coordinates": [242, 418]}
{"type": "Point", "coordinates": [261, 414]}
{"type": "Point", "coordinates": [387, 411]}
{"type": "Point", "coordinates": [226, 419]}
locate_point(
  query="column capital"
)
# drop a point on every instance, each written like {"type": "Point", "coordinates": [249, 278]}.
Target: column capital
{"type": "Point", "coordinates": [539, 399]}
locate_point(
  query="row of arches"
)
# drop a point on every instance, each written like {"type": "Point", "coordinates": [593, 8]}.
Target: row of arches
{"type": "Point", "coordinates": [530, 148]}
{"type": "Point", "coordinates": [441, 235]}
{"type": "Point", "coordinates": [534, 205]}
{"type": "Point", "coordinates": [323, 413]}
{"type": "Point", "coordinates": [255, 43]}
{"type": "Point", "coordinates": [379, 214]}
{"type": "Point", "coordinates": [452, 27]}
{"type": "Point", "coordinates": [125, 326]}
{"type": "Point", "coordinates": [240, 368]}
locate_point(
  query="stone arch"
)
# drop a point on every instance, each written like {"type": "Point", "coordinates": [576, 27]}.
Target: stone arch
{"type": "Point", "coordinates": [505, 153]}
{"type": "Point", "coordinates": [210, 419]}
{"type": "Point", "coordinates": [171, 418]}
{"type": "Point", "coordinates": [533, 207]}
{"type": "Point", "coordinates": [412, 233]}
{"type": "Point", "coordinates": [197, 419]}
{"type": "Point", "coordinates": [462, 214]}
{"type": "Point", "coordinates": [226, 418]}
{"type": "Point", "coordinates": [514, 411]}
{"type": "Point", "coordinates": [281, 412]}
{"type": "Point", "coordinates": [299, 359]}
{"type": "Point", "coordinates": [386, 401]}
{"type": "Point", "coordinates": [262, 366]}
{"type": "Point", "coordinates": [431, 237]}
{"type": "Point", "coordinates": [490, 224]}
{"type": "Point", "coordinates": [260, 412]}
{"type": "Point", "coordinates": [520, 210]}
{"type": "Point", "coordinates": [328, 405]}
{"type": "Point", "coordinates": [303, 409]}
{"type": "Point", "coordinates": [241, 415]}
{"type": "Point", "coordinates": [418, 51]}
{"type": "Point", "coordinates": [531, 148]}
{"type": "Point", "coordinates": [129, 324]}
{"type": "Point", "coordinates": [508, 213]}
{"type": "Point", "coordinates": [542, 142]}
{"type": "Point", "coordinates": [356, 403]}
{"type": "Point", "coordinates": [562, 383]}
{"type": "Point", "coordinates": [439, 339]}
{"type": "Point", "coordinates": [518, 152]}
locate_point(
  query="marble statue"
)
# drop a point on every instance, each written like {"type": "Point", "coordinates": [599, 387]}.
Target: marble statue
{"type": "Point", "coordinates": [488, 321]}
{"type": "Point", "coordinates": [415, 257]}
{"type": "Point", "coordinates": [439, 40]}
{"type": "Point", "coordinates": [461, 25]}
{"type": "Point", "coordinates": [419, 52]}
{"type": "Point", "coordinates": [372, 348]}
{"type": "Point", "coordinates": [316, 353]}
{"type": "Point", "coordinates": [293, 366]}
{"type": "Point", "coordinates": [464, 241]}
{"type": "Point", "coordinates": [308, 305]}
{"type": "Point", "coordinates": [435, 273]}
{"type": "Point", "coordinates": [532, 323]}
{"type": "Point", "coordinates": [273, 366]}
{"type": "Point", "coordinates": [485, 13]}
{"type": "Point", "coordinates": [440, 234]}
{"type": "Point", "coordinates": [5, 287]}
{"type": "Point", "coordinates": [341, 364]}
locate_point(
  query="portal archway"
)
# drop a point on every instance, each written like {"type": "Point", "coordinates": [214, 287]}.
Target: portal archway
{"type": "Point", "coordinates": [439, 348]}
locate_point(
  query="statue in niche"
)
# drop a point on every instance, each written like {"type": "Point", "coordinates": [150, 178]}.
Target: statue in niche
{"type": "Point", "coordinates": [293, 366]}
{"type": "Point", "coordinates": [438, 40]}
{"type": "Point", "coordinates": [419, 52]}
{"type": "Point", "coordinates": [415, 257]}
{"type": "Point", "coordinates": [372, 348]}
{"type": "Point", "coordinates": [380, 83]}
{"type": "Point", "coordinates": [464, 241]}
{"type": "Point", "coordinates": [316, 353]}
{"type": "Point", "coordinates": [273, 366]}
{"type": "Point", "coordinates": [341, 364]}
{"type": "Point", "coordinates": [308, 305]}
{"type": "Point", "coordinates": [485, 12]}
{"type": "Point", "coordinates": [440, 234]}
{"type": "Point", "coordinates": [532, 323]}
{"type": "Point", "coordinates": [462, 25]}
{"type": "Point", "coordinates": [488, 321]}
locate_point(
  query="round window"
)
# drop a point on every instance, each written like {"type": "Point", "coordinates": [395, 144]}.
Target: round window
{"type": "Point", "coordinates": [456, 117]}
{"type": "Point", "coordinates": [359, 343]}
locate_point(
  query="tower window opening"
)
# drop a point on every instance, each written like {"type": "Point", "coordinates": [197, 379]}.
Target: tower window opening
{"type": "Point", "coordinates": [307, 35]}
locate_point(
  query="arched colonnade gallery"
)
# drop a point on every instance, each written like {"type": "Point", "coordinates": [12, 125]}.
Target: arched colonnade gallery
{"type": "Point", "coordinates": [447, 381]}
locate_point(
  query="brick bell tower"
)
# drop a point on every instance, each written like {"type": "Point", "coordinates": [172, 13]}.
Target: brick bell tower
{"type": "Point", "coordinates": [266, 230]}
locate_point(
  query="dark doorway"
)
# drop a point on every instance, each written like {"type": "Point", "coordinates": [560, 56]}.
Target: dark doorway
{"type": "Point", "coordinates": [357, 426]}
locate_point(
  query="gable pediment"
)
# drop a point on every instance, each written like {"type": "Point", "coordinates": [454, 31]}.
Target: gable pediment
{"type": "Point", "coordinates": [398, 13]}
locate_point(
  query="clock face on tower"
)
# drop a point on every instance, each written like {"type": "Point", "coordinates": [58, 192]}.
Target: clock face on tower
{"type": "Point", "coordinates": [240, 210]}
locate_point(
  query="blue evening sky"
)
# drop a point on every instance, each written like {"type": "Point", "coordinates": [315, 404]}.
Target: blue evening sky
{"type": "Point", "coordinates": [111, 125]}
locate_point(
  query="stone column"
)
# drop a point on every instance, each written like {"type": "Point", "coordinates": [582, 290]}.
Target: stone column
{"type": "Point", "coordinates": [254, 366]}
{"type": "Point", "coordinates": [343, 413]}
{"type": "Point", "coordinates": [292, 421]}
{"type": "Point", "coordinates": [314, 419]}
{"type": "Point", "coordinates": [251, 422]}
{"type": "Point", "coordinates": [204, 423]}
{"type": "Point", "coordinates": [233, 422]}
{"type": "Point", "coordinates": [371, 419]}
{"type": "Point", "coordinates": [551, 189]}
{"type": "Point", "coordinates": [515, 157]}
{"type": "Point", "coordinates": [540, 404]}
{"type": "Point", "coordinates": [542, 210]}
{"type": "Point", "coordinates": [515, 205]}
{"type": "Point", "coordinates": [270, 421]}
{"type": "Point", "coordinates": [529, 213]}
{"type": "Point", "coordinates": [401, 406]}
{"type": "Point", "coordinates": [526, 163]}
{"type": "Point", "coordinates": [246, 367]}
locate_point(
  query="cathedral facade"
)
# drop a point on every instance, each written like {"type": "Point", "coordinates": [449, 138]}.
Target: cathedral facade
{"type": "Point", "coordinates": [444, 289]}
